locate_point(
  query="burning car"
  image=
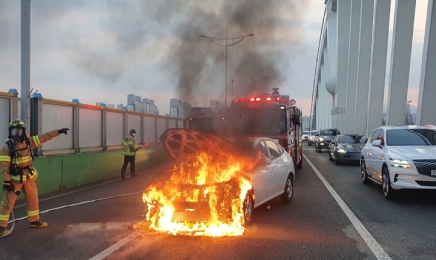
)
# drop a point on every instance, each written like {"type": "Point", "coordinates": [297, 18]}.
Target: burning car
{"type": "Point", "coordinates": [215, 185]}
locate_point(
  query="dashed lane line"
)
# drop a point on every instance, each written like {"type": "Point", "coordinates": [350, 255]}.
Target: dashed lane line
{"type": "Point", "coordinates": [115, 246]}
{"type": "Point", "coordinates": [364, 233]}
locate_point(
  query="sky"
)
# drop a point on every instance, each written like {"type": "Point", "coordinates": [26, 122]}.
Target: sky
{"type": "Point", "coordinates": [103, 50]}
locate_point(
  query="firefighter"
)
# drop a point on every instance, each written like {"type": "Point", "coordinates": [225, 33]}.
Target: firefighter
{"type": "Point", "coordinates": [129, 152]}
{"type": "Point", "coordinates": [19, 175]}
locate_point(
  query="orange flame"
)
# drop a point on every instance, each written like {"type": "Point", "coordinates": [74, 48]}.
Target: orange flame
{"type": "Point", "coordinates": [202, 197]}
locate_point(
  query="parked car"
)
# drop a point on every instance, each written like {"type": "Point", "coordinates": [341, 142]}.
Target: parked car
{"type": "Point", "coordinates": [324, 138]}
{"type": "Point", "coordinates": [400, 157]}
{"type": "Point", "coordinates": [311, 137]}
{"type": "Point", "coordinates": [270, 170]}
{"type": "Point", "coordinates": [305, 135]}
{"type": "Point", "coordinates": [346, 148]}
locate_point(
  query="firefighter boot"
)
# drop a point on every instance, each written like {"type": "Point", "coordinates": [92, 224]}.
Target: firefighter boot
{"type": "Point", "coordinates": [3, 231]}
{"type": "Point", "coordinates": [38, 224]}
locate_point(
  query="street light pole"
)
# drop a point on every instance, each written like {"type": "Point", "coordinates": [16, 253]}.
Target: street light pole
{"type": "Point", "coordinates": [237, 40]}
{"type": "Point", "coordinates": [225, 101]}
{"type": "Point", "coordinates": [407, 112]}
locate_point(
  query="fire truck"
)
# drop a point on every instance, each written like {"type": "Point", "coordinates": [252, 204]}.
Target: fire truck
{"type": "Point", "coordinates": [205, 119]}
{"type": "Point", "coordinates": [268, 115]}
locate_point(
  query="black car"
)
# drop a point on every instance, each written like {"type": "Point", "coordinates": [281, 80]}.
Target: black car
{"type": "Point", "coordinates": [324, 138]}
{"type": "Point", "coordinates": [347, 148]}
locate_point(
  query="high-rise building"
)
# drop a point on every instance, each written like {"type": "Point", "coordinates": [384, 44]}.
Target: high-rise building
{"type": "Point", "coordinates": [130, 99]}
{"type": "Point", "coordinates": [145, 105]}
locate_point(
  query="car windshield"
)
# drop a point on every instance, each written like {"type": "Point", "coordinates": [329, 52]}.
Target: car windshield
{"type": "Point", "coordinates": [305, 133]}
{"type": "Point", "coordinates": [399, 137]}
{"type": "Point", "coordinates": [313, 132]}
{"type": "Point", "coordinates": [352, 139]}
{"type": "Point", "coordinates": [328, 132]}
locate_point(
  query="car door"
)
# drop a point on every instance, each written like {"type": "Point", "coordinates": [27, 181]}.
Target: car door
{"type": "Point", "coordinates": [263, 175]}
{"type": "Point", "coordinates": [378, 156]}
{"type": "Point", "coordinates": [279, 166]}
{"type": "Point", "coordinates": [368, 150]}
{"type": "Point", "coordinates": [333, 147]}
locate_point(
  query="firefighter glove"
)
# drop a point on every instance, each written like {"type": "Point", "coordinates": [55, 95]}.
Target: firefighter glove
{"type": "Point", "coordinates": [63, 130]}
{"type": "Point", "coordinates": [7, 185]}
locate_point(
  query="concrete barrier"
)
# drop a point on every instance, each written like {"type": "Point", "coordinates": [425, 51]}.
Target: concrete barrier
{"type": "Point", "coordinates": [61, 172]}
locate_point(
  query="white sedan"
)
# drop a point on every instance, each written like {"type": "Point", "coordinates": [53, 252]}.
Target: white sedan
{"type": "Point", "coordinates": [271, 171]}
{"type": "Point", "coordinates": [272, 178]}
{"type": "Point", "coordinates": [400, 158]}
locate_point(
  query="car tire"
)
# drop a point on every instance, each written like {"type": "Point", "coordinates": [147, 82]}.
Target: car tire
{"type": "Point", "coordinates": [288, 193]}
{"type": "Point", "coordinates": [330, 156]}
{"type": "Point", "coordinates": [248, 208]}
{"type": "Point", "coordinates": [388, 192]}
{"type": "Point", "coordinates": [363, 173]}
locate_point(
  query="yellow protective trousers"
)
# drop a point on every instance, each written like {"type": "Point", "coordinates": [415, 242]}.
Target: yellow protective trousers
{"type": "Point", "coordinates": [30, 189]}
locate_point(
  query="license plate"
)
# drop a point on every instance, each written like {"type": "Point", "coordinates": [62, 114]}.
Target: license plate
{"type": "Point", "coordinates": [433, 172]}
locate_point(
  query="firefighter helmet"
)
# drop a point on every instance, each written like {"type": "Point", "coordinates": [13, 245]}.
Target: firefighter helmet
{"type": "Point", "coordinates": [17, 124]}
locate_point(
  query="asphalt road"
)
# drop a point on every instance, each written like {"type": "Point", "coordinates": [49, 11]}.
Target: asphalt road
{"type": "Point", "coordinates": [332, 216]}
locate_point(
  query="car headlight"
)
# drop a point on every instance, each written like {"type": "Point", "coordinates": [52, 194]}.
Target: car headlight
{"type": "Point", "coordinates": [400, 163]}
{"type": "Point", "coordinates": [321, 139]}
{"type": "Point", "coordinates": [342, 151]}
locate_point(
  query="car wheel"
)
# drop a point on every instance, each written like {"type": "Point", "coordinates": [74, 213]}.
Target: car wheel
{"type": "Point", "coordinates": [386, 184]}
{"type": "Point", "coordinates": [288, 193]}
{"type": "Point", "coordinates": [248, 207]}
{"type": "Point", "coordinates": [330, 156]}
{"type": "Point", "coordinates": [363, 173]}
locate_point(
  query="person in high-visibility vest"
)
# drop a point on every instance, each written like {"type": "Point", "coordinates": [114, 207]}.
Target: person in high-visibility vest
{"type": "Point", "coordinates": [18, 174]}
{"type": "Point", "coordinates": [129, 152]}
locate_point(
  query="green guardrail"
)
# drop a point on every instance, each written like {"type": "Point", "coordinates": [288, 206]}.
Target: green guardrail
{"type": "Point", "coordinates": [60, 172]}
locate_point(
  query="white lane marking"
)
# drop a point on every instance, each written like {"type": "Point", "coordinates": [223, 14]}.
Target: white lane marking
{"type": "Point", "coordinates": [364, 233]}
{"type": "Point", "coordinates": [115, 246]}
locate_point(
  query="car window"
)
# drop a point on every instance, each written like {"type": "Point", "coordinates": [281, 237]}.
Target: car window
{"type": "Point", "coordinates": [374, 135]}
{"type": "Point", "coordinates": [262, 148]}
{"type": "Point", "coordinates": [361, 139]}
{"type": "Point", "coordinates": [305, 133]}
{"type": "Point", "coordinates": [328, 132]}
{"type": "Point", "coordinates": [313, 132]}
{"type": "Point", "coordinates": [346, 139]}
{"type": "Point", "coordinates": [397, 137]}
{"type": "Point", "coordinates": [273, 149]}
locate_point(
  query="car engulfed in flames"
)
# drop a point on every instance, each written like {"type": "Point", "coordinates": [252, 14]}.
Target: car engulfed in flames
{"type": "Point", "coordinates": [207, 191]}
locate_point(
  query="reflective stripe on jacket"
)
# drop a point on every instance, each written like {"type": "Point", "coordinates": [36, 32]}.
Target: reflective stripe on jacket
{"type": "Point", "coordinates": [23, 158]}
{"type": "Point", "coordinates": [129, 147]}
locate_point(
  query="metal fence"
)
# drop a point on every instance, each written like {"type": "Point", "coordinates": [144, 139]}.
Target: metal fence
{"type": "Point", "coordinates": [92, 128]}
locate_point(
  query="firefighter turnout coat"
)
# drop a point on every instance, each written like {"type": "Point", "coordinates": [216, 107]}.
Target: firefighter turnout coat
{"type": "Point", "coordinates": [25, 179]}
